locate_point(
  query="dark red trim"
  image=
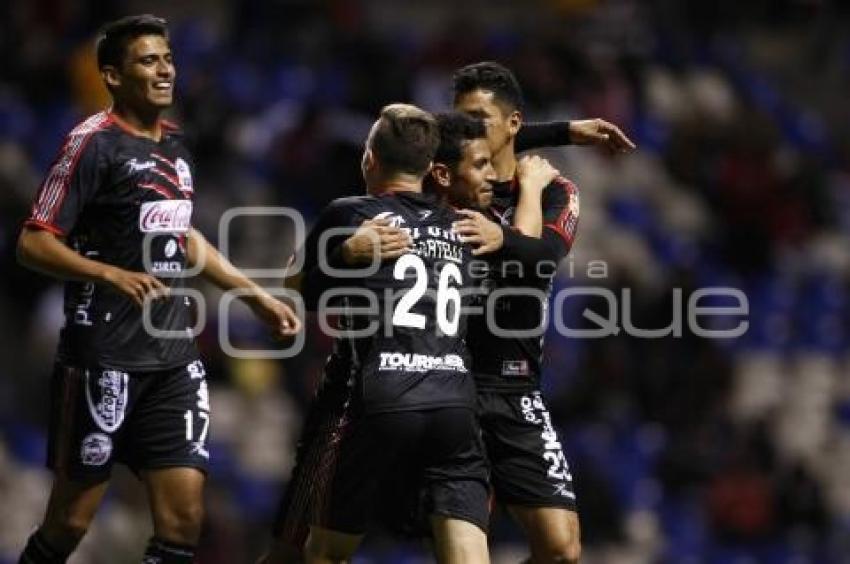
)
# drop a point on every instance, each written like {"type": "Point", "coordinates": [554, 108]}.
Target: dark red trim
{"type": "Point", "coordinates": [71, 378]}
{"type": "Point", "coordinates": [164, 159]}
{"type": "Point", "coordinates": [67, 181]}
{"type": "Point", "coordinates": [564, 218]}
{"type": "Point", "coordinates": [158, 188]}
{"type": "Point", "coordinates": [170, 177]}
{"type": "Point", "coordinates": [46, 226]}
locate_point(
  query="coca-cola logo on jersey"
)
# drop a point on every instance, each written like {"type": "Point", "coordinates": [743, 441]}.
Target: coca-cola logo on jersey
{"type": "Point", "coordinates": [165, 216]}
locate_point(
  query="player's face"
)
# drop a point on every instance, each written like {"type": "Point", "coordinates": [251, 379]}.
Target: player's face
{"type": "Point", "coordinates": [501, 123]}
{"type": "Point", "coordinates": [146, 76]}
{"type": "Point", "coordinates": [473, 176]}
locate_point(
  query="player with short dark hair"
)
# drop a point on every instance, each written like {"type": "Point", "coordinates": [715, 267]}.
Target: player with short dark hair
{"type": "Point", "coordinates": [409, 410]}
{"type": "Point", "coordinates": [529, 472]}
{"type": "Point", "coordinates": [113, 219]}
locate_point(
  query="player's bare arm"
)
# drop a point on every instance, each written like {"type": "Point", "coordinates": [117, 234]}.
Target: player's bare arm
{"type": "Point", "coordinates": [602, 133]}
{"type": "Point", "coordinates": [375, 239]}
{"type": "Point", "coordinates": [43, 251]}
{"type": "Point", "coordinates": [278, 316]}
{"type": "Point", "coordinates": [534, 174]}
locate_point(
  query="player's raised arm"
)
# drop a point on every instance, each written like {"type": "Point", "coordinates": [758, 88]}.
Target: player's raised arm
{"type": "Point", "coordinates": [534, 174]}
{"type": "Point", "coordinates": [277, 315]}
{"type": "Point", "coordinates": [577, 132]}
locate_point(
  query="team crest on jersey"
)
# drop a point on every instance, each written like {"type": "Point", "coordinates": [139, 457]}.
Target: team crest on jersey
{"type": "Point", "coordinates": [96, 449]}
{"type": "Point", "coordinates": [184, 175]}
{"type": "Point", "coordinates": [107, 398]}
{"type": "Point", "coordinates": [394, 219]}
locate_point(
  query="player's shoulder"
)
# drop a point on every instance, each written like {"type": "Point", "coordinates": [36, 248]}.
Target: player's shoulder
{"type": "Point", "coordinates": [351, 203]}
{"type": "Point", "coordinates": [560, 188]}
{"type": "Point", "coordinates": [93, 127]}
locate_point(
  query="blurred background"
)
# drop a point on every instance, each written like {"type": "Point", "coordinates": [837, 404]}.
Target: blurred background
{"type": "Point", "coordinates": [682, 449]}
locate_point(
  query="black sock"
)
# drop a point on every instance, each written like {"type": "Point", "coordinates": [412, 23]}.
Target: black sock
{"type": "Point", "coordinates": [39, 551]}
{"type": "Point", "coordinates": [166, 552]}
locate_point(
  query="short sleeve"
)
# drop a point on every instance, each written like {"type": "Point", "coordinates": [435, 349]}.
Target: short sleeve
{"type": "Point", "coordinates": [71, 183]}
{"type": "Point", "coordinates": [561, 211]}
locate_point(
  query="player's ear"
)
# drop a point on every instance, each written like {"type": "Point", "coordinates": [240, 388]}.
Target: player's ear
{"type": "Point", "coordinates": [441, 175]}
{"type": "Point", "coordinates": [111, 77]}
{"type": "Point", "coordinates": [368, 163]}
{"type": "Point", "coordinates": [514, 122]}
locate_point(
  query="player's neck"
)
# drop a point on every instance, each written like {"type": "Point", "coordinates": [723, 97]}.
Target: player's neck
{"type": "Point", "coordinates": [504, 163]}
{"type": "Point", "coordinates": [142, 124]}
{"type": "Point", "coordinates": [395, 183]}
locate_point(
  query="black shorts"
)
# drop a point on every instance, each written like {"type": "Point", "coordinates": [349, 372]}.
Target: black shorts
{"type": "Point", "coordinates": [144, 420]}
{"type": "Point", "coordinates": [527, 464]}
{"type": "Point", "coordinates": [437, 449]}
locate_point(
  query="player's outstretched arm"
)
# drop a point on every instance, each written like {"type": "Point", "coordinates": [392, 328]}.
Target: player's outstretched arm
{"type": "Point", "coordinates": [42, 251]}
{"type": "Point", "coordinates": [534, 173]}
{"type": "Point", "coordinates": [596, 132]}
{"type": "Point", "coordinates": [214, 267]}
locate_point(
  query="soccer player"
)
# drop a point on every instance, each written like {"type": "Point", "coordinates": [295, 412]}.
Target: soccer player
{"type": "Point", "coordinates": [113, 219]}
{"type": "Point", "coordinates": [461, 176]}
{"type": "Point", "coordinates": [529, 472]}
{"type": "Point", "coordinates": [410, 409]}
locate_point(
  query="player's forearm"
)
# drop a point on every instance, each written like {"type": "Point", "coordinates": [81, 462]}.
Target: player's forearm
{"type": "Point", "coordinates": [528, 218]}
{"type": "Point", "coordinates": [539, 135]}
{"type": "Point", "coordinates": [41, 251]}
{"type": "Point", "coordinates": [530, 251]}
{"type": "Point", "coordinates": [218, 269]}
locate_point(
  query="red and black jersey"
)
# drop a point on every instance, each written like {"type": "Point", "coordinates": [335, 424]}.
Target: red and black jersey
{"type": "Point", "coordinates": [507, 345]}
{"type": "Point", "coordinates": [411, 354]}
{"type": "Point", "coordinates": [124, 200]}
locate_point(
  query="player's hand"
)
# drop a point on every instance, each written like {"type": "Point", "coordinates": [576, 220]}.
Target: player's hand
{"type": "Point", "coordinates": [600, 132]}
{"type": "Point", "coordinates": [279, 316]}
{"type": "Point", "coordinates": [375, 238]}
{"type": "Point", "coordinates": [484, 235]}
{"type": "Point", "coordinates": [535, 173]}
{"type": "Point", "coordinates": [139, 286]}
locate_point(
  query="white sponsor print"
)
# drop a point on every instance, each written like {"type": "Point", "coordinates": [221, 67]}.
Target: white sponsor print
{"type": "Point", "coordinates": [133, 165]}
{"type": "Point", "coordinates": [165, 266]}
{"type": "Point", "coordinates": [505, 217]}
{"type": "Point", "coordinates": [184, 175]}
{"type": "Point", "coordinates": [108, 410]}
{"type": "Point", "coordinates": [165, 216]}
{"type": "Point", "coordinates": [534, 411]}
{"type": "Point", "coordinates": [407, 362]}
{"type": "Point", "coordinates": [170, 248]}
{"type": "Point", "coordinates": [96, 449]}
{"type": "Point", "coordinates": [394, 219]}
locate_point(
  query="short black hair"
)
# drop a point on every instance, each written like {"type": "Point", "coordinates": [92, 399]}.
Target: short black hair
{"type": "Point", "coordinates": [112, 39]}
{"type": "Point", "coordinates": [405, 139]}
{"type": "Point", "coordinates": [491, 76]}
{"type": "Point", "coordinates": [456, 129]}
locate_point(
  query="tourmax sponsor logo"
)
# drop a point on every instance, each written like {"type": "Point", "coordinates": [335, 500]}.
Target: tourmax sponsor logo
{"type": "Point", "coordinates": [409, 362]}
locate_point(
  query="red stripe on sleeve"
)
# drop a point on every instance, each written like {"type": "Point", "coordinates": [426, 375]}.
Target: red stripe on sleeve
{"type": "Point", "coordinates": [566, 224]}
{"type": "Point", "coordinates": [46, 226]}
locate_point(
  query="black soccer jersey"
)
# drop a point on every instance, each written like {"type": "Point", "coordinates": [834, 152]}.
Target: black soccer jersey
{"type": "Point", "coordinates": [411, 354]}
{"type": "Point", "coordinates": [124, 200]}
{"type": "Point", "coordinates": [507, 345]}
